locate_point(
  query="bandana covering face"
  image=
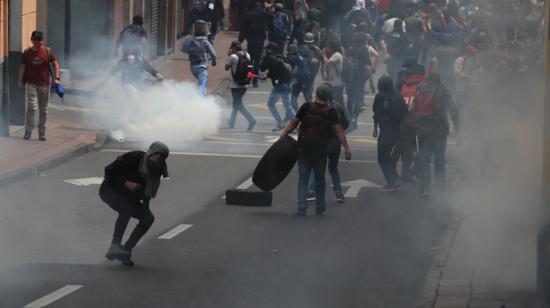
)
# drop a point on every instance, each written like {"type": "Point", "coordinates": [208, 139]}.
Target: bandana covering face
{"type": "Point", "coordinates": [152, 168]}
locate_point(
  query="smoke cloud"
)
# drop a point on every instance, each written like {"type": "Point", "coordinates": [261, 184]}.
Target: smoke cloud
{"type": "Point", "coordinates": [171, 111]}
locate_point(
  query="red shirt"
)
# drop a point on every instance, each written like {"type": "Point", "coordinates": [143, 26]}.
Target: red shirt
{"type": "Point", "coordinates": [37, 66]}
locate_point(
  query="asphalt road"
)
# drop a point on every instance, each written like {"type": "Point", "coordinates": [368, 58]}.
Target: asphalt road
{"type": "Point", "coordinates": [373, 251]}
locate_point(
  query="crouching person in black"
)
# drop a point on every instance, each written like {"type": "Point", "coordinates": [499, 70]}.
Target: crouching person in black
{"type": "Point", "coordinates": [130, 183]}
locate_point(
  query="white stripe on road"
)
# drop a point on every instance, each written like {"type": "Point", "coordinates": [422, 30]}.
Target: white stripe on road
{"type": "Point", "coordinates": [174, 232]}
{"type": "Point", "coordinates": [246, 184]}
{"type": "Point", "coordinates": [54, 296]}
{"type": "Point", "coordinates": [232, 155]}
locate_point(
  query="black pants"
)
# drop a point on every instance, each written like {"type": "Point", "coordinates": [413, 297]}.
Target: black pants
{"type": "Point", "coordinates": [406, 150]}
{"type": "Point", "coordinates": [385, 160]}
{"type": "Point", "coordinates": [431, 144]}
{"type": "Point", "coordinates": [255, 49]}
{"type": "Point", "coordinates": [127, 208]}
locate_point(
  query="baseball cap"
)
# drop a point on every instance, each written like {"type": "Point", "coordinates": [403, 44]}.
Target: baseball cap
{"type": "Point", "coordinates": [309, 38]}
{"type": "Point", "coordinates": [37, 33]}
{"type": "Point", "coordinates": [236, 45]}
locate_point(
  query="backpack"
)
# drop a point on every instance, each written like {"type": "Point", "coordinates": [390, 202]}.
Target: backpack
{"type": "Point", "coordinates": [425, 106]}
{"type": "Point", "coordinates": [196, 51]}
{"type": "Point", "coordinates": [285, 67]}
{"type": "Point", "coordinates": [314, 130]}
{"type": "Point", "coordinates": [244, 66]}
{"type": "Point", "coordinates": [279, 28]}
{"type": "Point", "coordinates": [311, 57]}
{"type": "Point", "coordinates": [348, 68]}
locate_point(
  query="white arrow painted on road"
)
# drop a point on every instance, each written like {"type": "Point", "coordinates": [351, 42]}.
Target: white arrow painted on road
{"type": "Point", "coordinates": [85, 181]}
{"type": "Point", "coordinates": [356, 185]}
{"type": "Point", "coordinates": [246, 184]}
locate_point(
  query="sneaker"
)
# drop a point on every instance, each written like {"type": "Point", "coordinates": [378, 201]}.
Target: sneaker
{"type": "Point", "coordinates": [407, 179]}
{"type": "Point", "coordinates": [230, 125]}
{"type": "Point", "coordinates": [117, 252]}
{"type": "Point", "coordinates": [390, 187]}
{"type": "Point", "coordinates": [320, 212]}
{"type": "Point", "coordinates": [251, 125]}
{"type": "Point", "coordinates": [311, 196]}
{"type": "Point", "coordinates": [27, 135]}
{"type": "Point", "coordinates": [339, 197]}
{"type": "Point", "coordinates": [424, 192]}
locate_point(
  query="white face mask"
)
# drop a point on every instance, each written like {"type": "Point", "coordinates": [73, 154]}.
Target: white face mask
{"type": "Point", "coordinates": [131, 58]}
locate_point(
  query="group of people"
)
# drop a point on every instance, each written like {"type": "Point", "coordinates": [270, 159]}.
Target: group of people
{"type": "Point", "coordinates": [435, 53]}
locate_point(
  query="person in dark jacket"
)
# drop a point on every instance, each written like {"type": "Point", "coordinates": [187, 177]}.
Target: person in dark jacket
{"type": "Point", "coordinates": [253, 29]}
{"type": "Point", "coordinates": [131, 181]}
{"type": "Point", "coordinates": [280, 75]}
{"type": "Point", "coordinates": [317, 120]}
{"type": "Point", "coordinates": [389, 110]}
{"type": "Point", "coordinates": [431, 117]}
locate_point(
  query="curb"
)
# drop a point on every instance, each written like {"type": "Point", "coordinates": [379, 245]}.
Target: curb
{"type": "Point", "coordinates": [54, 161]}
{"type": "Point", "coordinates": [430, 292]}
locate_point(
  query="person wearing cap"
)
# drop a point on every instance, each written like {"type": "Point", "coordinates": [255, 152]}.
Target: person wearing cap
{"type": "Point", "coordinates": [313, 57]}
{"type": "Point", "coordinates": [130, 182]}
{"type": "Point", "coordinates": [280, 75]}
{"type": "Point", "coordinates": [316, 120]}
{"type": "Point", "coordinates": [132, 38]}
{"type": "Point", "coordinates": [197, 48]}
{"type": "Point", "coordinates": [238, 90]}
{"type": "Point", "coordinates": [36, 70]}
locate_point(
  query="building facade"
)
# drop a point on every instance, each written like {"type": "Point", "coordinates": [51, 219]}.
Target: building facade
{"type": "Point", "coordinates": [82, 34]}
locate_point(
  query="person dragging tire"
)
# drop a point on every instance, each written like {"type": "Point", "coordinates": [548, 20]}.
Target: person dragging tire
{"type": "Point", "coordinates": [389, 110]}
{"type": "Point", "coordinates": [131, 181]}
{"type": "Point", "coordinates": [316, 120]}
{"type": "Point", "coordinates": [240, 65]}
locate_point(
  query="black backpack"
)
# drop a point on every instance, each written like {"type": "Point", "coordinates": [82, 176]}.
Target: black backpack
{"type": "Point", "coordinates": [244, 66]}
{"type": "Point", "coordinates": [279, 26]}
{"type": "Point", "coordinates": [348, 67]}
{"type": "Point", "coordinates": [314, 130]}
{"type": "Point", "coordinates": [311, 55]}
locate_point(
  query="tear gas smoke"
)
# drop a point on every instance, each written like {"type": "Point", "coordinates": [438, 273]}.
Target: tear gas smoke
{"type": "Point", "coordinates": [171, 111]}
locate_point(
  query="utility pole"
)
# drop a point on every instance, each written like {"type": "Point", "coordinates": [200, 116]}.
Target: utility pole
{"type": "Point", "coordinates": [16, 96]}
{"type": "Point", "coordinates": [543, 242]}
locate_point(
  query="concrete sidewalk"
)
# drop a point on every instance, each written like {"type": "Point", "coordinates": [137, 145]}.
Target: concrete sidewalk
{"type": "Point", "coordinates": [21, 158]}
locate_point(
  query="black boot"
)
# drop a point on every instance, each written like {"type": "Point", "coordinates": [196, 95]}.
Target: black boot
{"type": "Point", "coordinates": [42, 134]}
{"type": "Point", "coordinates": [117, 252]}
{"type": "Point", "coordinates": [127, 259]}
{"type": "Point", "coordinates": [27, 135]}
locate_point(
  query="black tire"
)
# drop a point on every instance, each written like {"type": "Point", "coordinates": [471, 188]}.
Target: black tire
{"type": "Point", "coordinates": [276, 164]}
{"type": "Point", "coordinates": [248, 198]}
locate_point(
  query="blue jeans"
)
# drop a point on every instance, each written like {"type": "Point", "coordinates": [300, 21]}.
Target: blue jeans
{"type": "Point", "coordinates": [238, 106]}
{"type": "Point", "coordinates": [308, 164]}
{"type": "Point", "coordinates": [201, 73]}
{"type": "Point", "coordinates": [333, 154]}
{"type": "Point", "coordinates": [280, 91]}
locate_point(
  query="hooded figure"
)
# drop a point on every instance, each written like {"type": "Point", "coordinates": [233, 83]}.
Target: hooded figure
{"type": "Point", "coordinates": [152, 166]}
{"type": "Point", "coordinates": [131, 181]}
{"type": "Point", "coordinates": [389, 110]}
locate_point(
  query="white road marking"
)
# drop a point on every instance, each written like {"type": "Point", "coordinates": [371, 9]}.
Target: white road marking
{"type": "Point", "coordinates": [174, 232]}
{"type": "Point", "coordinates": [356, 185]}
{"type": "Point", "coordinates": [54, 296]}
{"type": "Point", "coordinates": [85, 181]}
{"type": "Point", "coordinates": [246, 184]}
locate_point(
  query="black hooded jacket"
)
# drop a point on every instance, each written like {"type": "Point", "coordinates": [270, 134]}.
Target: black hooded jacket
{"type": "Point", "coordinates": [389, 108]}
{"type": "Point", "coordinates": [131, 167]}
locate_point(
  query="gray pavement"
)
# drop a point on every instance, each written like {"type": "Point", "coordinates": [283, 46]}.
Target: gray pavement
{"type": "Point", "coordinates": [373, 251]}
